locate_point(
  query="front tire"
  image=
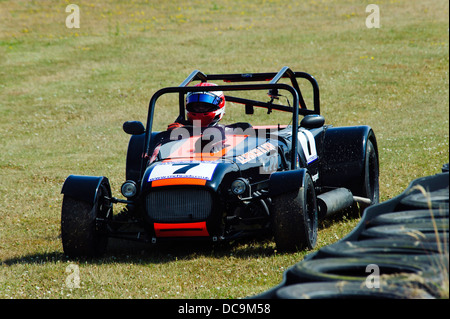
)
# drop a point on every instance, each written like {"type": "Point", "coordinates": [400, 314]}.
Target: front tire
{"type": "Point", "coordinates": [83, 225]}
{"type": "Point", "coordinates": [295, 218]}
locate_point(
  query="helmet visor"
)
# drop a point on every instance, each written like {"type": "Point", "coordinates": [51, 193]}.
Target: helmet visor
{"type": "Point", "coordinates": [202, 102]}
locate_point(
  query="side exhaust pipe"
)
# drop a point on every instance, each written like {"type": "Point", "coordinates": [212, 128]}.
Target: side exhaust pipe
{"type": "Point", "coordinates": [334, 201]}
{"type": "Point", "coordinates": [362, 200]}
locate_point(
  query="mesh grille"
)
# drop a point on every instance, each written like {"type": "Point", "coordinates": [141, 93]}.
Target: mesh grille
{"type": "Point", "coordinates": [179, 205]}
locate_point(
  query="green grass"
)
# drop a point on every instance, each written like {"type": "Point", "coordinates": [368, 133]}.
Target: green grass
{"type": "Point", "coordinates": [64, 94]}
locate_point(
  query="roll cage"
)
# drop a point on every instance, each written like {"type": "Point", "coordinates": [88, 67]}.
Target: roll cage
{"type": "Point", "coordinates": [299, 107]}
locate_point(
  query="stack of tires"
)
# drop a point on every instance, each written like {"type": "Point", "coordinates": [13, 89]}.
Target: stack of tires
{"type": "Point", "coordinates": [399, 250]}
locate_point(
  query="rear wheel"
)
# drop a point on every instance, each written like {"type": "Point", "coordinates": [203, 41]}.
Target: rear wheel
{"type": "Point", "coordinates": [83, 225]}
{"type": "Point", "coordinates": [370, 186]}
{"type": "Point", "coordinates": [295, 218]}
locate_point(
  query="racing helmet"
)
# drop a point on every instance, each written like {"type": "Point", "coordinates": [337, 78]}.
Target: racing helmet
{"type": "Point", "coordinates": [205, 106]}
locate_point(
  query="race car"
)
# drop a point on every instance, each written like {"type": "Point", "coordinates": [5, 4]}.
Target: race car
{"type": "Point", "coordinates": [228, 181]}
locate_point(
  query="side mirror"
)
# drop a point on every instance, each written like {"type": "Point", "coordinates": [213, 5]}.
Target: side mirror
{"type": "Point", "coordinates": [312, 121]}
{"type": "Point", "coordinates": [134, 127]}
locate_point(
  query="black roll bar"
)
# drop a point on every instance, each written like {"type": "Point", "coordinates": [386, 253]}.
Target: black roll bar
{"type": "Point", "coordinates": [273, 78]}
{"type": "Point", "coordinates": [285, 72]}
{"type": "Point", "coordinates": [182, 90]}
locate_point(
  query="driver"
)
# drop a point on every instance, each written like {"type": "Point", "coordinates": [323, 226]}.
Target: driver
{"type": "Point", "coordinates": [208, 107]}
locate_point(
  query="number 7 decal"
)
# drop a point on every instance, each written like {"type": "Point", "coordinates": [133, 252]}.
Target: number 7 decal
{"type": "Point", "coordinates": [185, 168]}
{"type": "Point", "coordinates": [182, 170]}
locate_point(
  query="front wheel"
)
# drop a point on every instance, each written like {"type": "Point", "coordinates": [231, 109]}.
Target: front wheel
{"type": "Point", "coordinates": [295, 218]}
{"type": "Point", "coordinates": [83, 226]}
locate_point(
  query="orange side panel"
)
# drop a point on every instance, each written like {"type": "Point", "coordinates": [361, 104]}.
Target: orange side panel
{"type": "Point", "coordinates": [181, 230]}
{"type": "Point", "coordinates": [186, 150]}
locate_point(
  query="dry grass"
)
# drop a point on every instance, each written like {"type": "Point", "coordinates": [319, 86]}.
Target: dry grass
{"type": "Point", "coordinates": [66, 92]}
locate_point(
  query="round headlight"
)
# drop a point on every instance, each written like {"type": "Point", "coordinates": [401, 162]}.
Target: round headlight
{"type": "Point", "coordinates": [238, 187]}
{"type": "Point", "coordinates": [129, 189]}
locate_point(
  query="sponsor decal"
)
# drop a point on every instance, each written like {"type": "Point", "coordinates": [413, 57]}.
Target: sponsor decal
{"type": "Point", "coordinates": [182, 170]}
{"type": "Point", "coordinates": [308, 144]}
{"type": "Point", "coordinates": [256, 152]}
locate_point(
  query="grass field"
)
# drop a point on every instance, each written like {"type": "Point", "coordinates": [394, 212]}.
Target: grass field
{"type": "Point", "coordinates": [64, 94]}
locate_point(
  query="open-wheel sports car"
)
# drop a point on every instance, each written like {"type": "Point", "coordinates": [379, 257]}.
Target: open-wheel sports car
{"type": "Point", "coordinates": [223, 182]}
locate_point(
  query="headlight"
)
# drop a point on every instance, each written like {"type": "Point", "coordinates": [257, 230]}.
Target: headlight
{"type": "Point", "coordinates": [239, 186]}
{"type": "Point", "coordinates": [129, 189]}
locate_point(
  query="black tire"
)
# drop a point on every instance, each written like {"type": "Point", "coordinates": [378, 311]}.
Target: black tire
{"type": "Point", "coordinates": [445, 168]}
{"type": "Point", "coordinates": [295, 218]}
{"type": "Point", "coordinates": [410, 216]}
{"type": "Point", "coordinates": [82, 235]}
{"type": "Point", "coordinates": [349, 269]}
{"type": "Point", "coordinates": [437, 231]}
{"type": "Point", "coordinates": [387, 248]}
{"type": "Point", "coordinates": [348, 290]}
{"type": "Point", "coordinates": [370, 187]}
{"type": "Point", "coordinates": [438, 199]}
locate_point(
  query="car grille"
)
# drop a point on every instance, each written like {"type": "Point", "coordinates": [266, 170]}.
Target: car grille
{"type": "Point", "coordinates": [179, 205]}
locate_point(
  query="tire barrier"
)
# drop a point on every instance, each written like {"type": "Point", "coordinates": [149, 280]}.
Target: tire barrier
{"type": "Point", "coordinates": [418, 199]}
{"type": "Point", "coordinates": [399, 250]}
{"type": "Point", "coordinates": [353, 269]}
{"type": "Point", "coordinates": [409, 216]}
{"type": "Point", "coordinates": [425, 231]}
{"type": "Point", "coordinates": [379, 247]}
{"type": "Point", "coordinates": [347, 290]}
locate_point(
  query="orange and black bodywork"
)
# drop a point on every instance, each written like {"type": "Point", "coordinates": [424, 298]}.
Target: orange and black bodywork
{"type": "Point", "coordinates": [190, 195]}
{"type": "Point", "coordinates": [223, 182]}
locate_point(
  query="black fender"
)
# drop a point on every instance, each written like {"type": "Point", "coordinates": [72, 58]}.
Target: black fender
{"type": "Point", "coordinates": [343, 159]}
{"type": "Point", "coordinates": [85, 188]}
{"type": "Point", "coordinates": [135, 156]}
{"type": "Point", "coordinates": [286, 181]}
{"type": "Point", "coordinates": [136, 163]}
